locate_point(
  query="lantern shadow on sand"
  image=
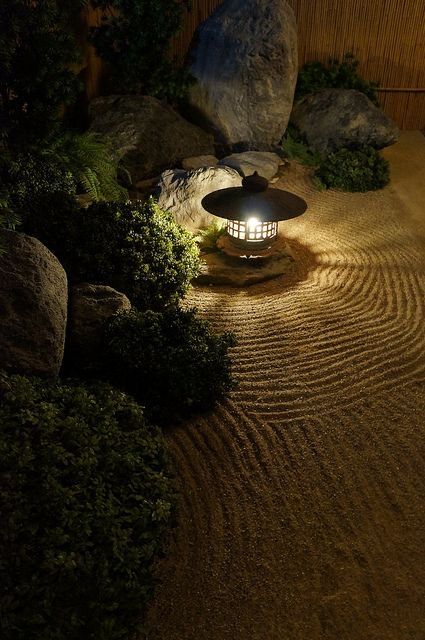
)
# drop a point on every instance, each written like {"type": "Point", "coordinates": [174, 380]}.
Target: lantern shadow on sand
{"type": "Point", "coordinates": [253, 212]}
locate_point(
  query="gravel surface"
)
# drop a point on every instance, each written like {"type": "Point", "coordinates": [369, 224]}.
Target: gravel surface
{"type": "Point", "coordinates": [302, 511]}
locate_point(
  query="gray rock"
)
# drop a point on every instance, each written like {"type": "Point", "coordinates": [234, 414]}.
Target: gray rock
{"type": "Point", "coordinates": [147, 135]}
{"type": "Point", "coordinates": [181, 192]}
{"type": "Point", "coordinates": [90, 307]}
{"type": "Point", "coordinates": [334, 118]}
{"type": "Point", "coordinates": [245, 61]}
{"type": "Point", "coordinates": [198, 162]}
{"type": "Point", "coordinates": [265, 163]}
{"type": "Point", "coordinates": [33, 307]}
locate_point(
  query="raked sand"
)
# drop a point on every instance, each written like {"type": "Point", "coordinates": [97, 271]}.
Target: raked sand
{"type": "Point", "coordinates": [302, 511]}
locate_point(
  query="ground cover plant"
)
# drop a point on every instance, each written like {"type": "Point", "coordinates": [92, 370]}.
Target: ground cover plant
{"type": "Point", "coordinates": [207, 238]}
{"type": "Point", "coordinates": [172, 362]}
{"type": "Point", "coordinates": [295, 147]}
{"type": "Point", "coordinates": [86, 504]}
{"type": "Point", "coordinates": [361, 169]}
{"type": "Point", "coordinates": [134, 247]}
{"type": "Point", "coordinates": [337, 74]}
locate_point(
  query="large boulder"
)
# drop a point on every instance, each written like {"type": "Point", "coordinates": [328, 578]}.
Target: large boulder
{"type": "Point", "coordinates": [181, 192]}
{"type": "Point", "coordinates": [334, 118]}
{"type": "Point", "coordinates": [265, 163]}
{"type": "Point", "coordinates": [146, 134]}
{"type": "Point", "coordinates": [245, 62]}
{"type": "Point", "coordinates": [33, 307]}
{"type": "Point", "coordinates": [90, 307]}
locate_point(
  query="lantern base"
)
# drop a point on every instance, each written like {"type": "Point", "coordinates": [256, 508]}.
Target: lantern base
{"type": "Point", "coordinates": [243, 270]}
{"type": "Point", "coordinates": [252, 250]}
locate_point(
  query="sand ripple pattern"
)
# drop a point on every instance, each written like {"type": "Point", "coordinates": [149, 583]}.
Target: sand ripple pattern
{"type": "Point", "coordinates": [302, 511]}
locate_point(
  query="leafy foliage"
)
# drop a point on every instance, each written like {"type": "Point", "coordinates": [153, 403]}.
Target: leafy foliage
{"type": "Point", "coordinates": [295, 148]}
{"type": "Point", "coordinates": [134, 247]}
{"type": "Point", "coordinates": [171, 361]}
{"type": "Point", "coordinates": [134, 39]}
{"type": "Point", "coordinates": [207, 238]}
{"type": "Point", "coordinates": [363, 169]}
{"type": "Point", "coordinates": [36, 51]}
{"type": "Point", "coordinates": [86, 504]}
{"type": "Point", "coordinates": [337, 74]}
{"type": "Point", "coordinates": [8, 218]}
{"type": "Point", "coordinates": [29, 177]}
{"type": "Point", "coordinates": [71, 162]}
{"type": "Point", "coordinates": [88, 158]}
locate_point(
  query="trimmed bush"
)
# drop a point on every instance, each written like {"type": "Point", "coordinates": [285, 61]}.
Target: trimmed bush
{"type": "Point", "coordinates": [171, 362]}
{"type": "Point", "coordinates": [134, 247]}
{"type": "Point", "coordinates": [86, 504]}
{"type": "Point", "coordinates": [362, 169]}
{"type": "Point", "coordinates": [30, 177]}
{"type": "Point", "coordinates": [335, 75]}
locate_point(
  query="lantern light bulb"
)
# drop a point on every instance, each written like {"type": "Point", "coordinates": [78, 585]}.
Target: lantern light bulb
{"type": "Point", "coordinates": [253, 223]}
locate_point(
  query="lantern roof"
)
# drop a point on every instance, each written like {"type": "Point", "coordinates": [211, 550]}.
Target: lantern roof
{"type": "Point", "coordinates": [254, 199]}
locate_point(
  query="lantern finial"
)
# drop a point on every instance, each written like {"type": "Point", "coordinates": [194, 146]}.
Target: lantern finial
{"type": "Point", "coordinates": [255, 183]}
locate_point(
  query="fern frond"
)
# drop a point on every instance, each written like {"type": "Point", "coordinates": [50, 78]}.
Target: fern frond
{"type": "Point", "coordinates": [207, 238]}
{"type": "Point", "coordinates": [296, 149]}
{"type": "Point", "coordinates": [8, 218]}
{"type": "Point", "coordinates": [88, 157]}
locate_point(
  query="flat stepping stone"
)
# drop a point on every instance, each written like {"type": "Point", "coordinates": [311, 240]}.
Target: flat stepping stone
{"type": "Point", "coordinates": [199, 162]}
{"type": "Point", "coordinates": [264, 162]}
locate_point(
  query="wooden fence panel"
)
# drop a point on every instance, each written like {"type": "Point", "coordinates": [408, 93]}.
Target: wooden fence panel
{"type": "Point", "coordinates": [387, 36]}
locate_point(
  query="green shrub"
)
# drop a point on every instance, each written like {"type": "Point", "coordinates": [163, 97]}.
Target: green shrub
{"type": "Point", "coordinates": [339, 75]}
{"type": "Point", "coordinates": [54, 220]}
{"type": "Point", "coordinates": [171, 362]}
{"type": "Point", "coordinates": [134, 39]}
{"type": "Point", "coordinates": [29, 177]}
{"type": "Point", "coordinates": [134, 247]}
{"type": "Point", "coordinates": [363, 169]}
{"type": "Point", "coordinates": [37, 49]}
{"type": "Point", "coordinates": [85, 503]}
{"type": "Point", "coordinates": [295, 148]}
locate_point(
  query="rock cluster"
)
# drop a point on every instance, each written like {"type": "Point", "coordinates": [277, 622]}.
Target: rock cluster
{"type": "Point", "coordinates": [34, 311]}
